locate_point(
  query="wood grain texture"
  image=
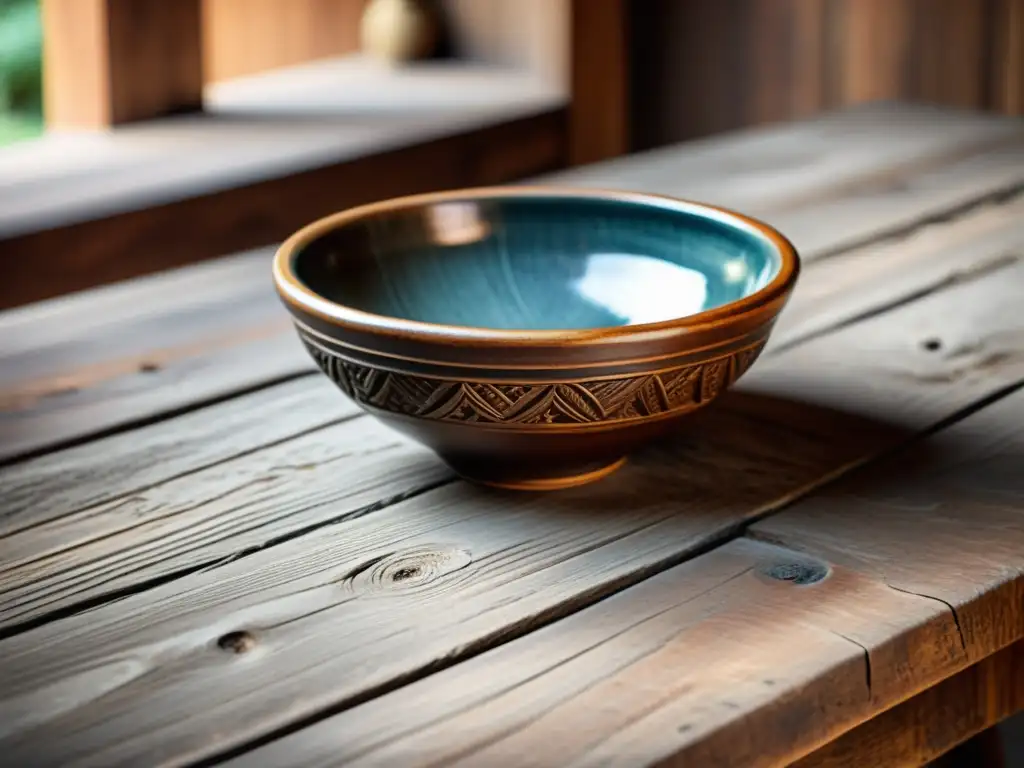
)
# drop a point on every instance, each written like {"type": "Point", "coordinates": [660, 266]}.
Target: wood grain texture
{"type": "Point", "coordinates": [939, 719]}
{"type": "Point", "coordinates": [890, 271]}
{"type": "Point", "coordinates": [713, 662]}
{"type": "Point", "coordinates": [210, 515]}
{"type": "Point", "coordinates": [468, 568]}
{"type": "Point", "coordinates": [483, 709]}
{"type": "Point", "coordinates": [946, 522]}
{"type": "Point", "coordinates": [833, 293]}
{"type": "Point", "coordinates": [87, 363]}
{"type": "Point", "coordinates": [57, 484]}
{"type": "Point", "coordinates": [464, 567]}
{"type": "Point", "coordinates": [887, 180]}
{"type": "Point", "coordinates": [109, 62]}
{"type": "Point", "coordinates": [720, 670]}
{"type": "Point", "coordinates": [241, 37]}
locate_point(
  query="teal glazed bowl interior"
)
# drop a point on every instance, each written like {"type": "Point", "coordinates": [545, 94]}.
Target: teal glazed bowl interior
{"type": "Point", "coordinates": [534, 337]}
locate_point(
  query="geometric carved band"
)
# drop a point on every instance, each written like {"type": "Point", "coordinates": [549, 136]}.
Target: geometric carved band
{"type": "Point", "coordinates": [581, 402]}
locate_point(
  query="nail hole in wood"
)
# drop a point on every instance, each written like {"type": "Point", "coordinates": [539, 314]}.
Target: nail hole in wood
{"type": "Point", "coordinates": [148, 367]}
{"type": "Point", "coordinates": [931, 345]}
{"type": "Point", "coordinates": [797, 573]}
{"type": "Point", "coordinates": [684, 728]}
{"type": "Point", "coordinates": [237, 642]}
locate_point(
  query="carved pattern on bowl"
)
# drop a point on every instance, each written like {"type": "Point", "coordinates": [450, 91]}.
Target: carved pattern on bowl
{"type": "Point", "coordinates": [578, 402]}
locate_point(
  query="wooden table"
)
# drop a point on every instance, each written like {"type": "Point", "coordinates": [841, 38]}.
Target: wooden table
{"type": "Point", "coordinates": [208, 555]}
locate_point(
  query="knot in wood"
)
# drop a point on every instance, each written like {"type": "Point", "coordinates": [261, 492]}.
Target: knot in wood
{"type": "Point", "coordinates": [236, 642]}
{"type": "Point", "coordinates": [410, 569]}
{"type": "Point", "coordinates": [797, 572]}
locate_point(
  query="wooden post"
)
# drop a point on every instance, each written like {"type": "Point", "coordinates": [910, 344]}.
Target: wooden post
{"type": "Point", "coordinates": [599, 80]}
{"type": "Point", "coordinates": [107, 62]}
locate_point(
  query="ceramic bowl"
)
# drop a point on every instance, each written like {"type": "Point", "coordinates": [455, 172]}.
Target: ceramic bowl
{"type": "Point", "coordinates": [533, 337]}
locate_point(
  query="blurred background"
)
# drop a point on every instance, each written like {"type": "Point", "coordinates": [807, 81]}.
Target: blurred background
{"type": "Point", "coordinates": [137, 135]}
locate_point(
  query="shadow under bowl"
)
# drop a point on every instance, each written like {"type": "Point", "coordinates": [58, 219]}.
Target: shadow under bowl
{"type": "Point", "coordinates": [534, 336]}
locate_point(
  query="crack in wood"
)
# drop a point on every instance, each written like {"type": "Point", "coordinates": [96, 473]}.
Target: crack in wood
{"type": "Point", "coordinates": [867, 657]}
{"type": "Point", "coordinates": [949, 605]}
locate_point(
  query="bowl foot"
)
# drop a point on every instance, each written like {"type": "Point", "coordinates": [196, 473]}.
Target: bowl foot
{"type": "Point", "coordinates": [545, 483]}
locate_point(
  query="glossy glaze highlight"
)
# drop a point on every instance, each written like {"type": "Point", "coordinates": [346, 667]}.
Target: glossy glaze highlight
{"type": "Point", "coordinates": [537, 263]}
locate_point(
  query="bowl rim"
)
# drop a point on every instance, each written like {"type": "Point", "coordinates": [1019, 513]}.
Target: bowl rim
{"type": "Point", "coordinates": [303, 299]}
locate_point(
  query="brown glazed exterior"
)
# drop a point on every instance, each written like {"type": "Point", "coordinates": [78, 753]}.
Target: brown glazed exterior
{"type": "Point", "coordinates": [530, 409]}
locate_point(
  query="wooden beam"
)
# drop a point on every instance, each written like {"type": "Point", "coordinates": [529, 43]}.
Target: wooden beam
{"type": "Point", "coordinates": [599, 80]}
{"type": "Point", "coordinates": [116, 61]}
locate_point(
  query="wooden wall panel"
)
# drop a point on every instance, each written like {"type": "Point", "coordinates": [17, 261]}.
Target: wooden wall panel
{"type": "Point", "coordinates": [242, 37]}
{"type": "Point", "coordinates": [701, 67]}
{"type": "Point", "coordinates": [706, 66]}
{"type": "Point", "coordinates": [871, 57]}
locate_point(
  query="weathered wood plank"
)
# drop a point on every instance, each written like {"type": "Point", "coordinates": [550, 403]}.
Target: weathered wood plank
{"type": "Point", "coordinates": [836, 290]}
{"type": "Point", "coordinates": [825, 183]}
{"type": "Point", "coordinates": [210, 515]}
{"type": "Point", "coordinates": [81, 365]}
{"type": "Point", "coordinates": [925, 727]}
{"type": "Point", "coordinates": [467, 568]}
{"type": "Point", "coordinates": [947, 523]}
{"type": "Point", "coordinates": [695, 665]}
{"type": "Point", "coordinates": [128, 528]}
{"type": "Point", "coordinates": [57, 484]}
{"type": "Point", "coordinates": [705, 665]}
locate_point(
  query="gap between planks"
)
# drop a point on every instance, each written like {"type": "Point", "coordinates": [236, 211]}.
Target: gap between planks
{"type": "Point", "coordinates": [894, 165]}
{"type": "Point", "coordinates": [492, 566]}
